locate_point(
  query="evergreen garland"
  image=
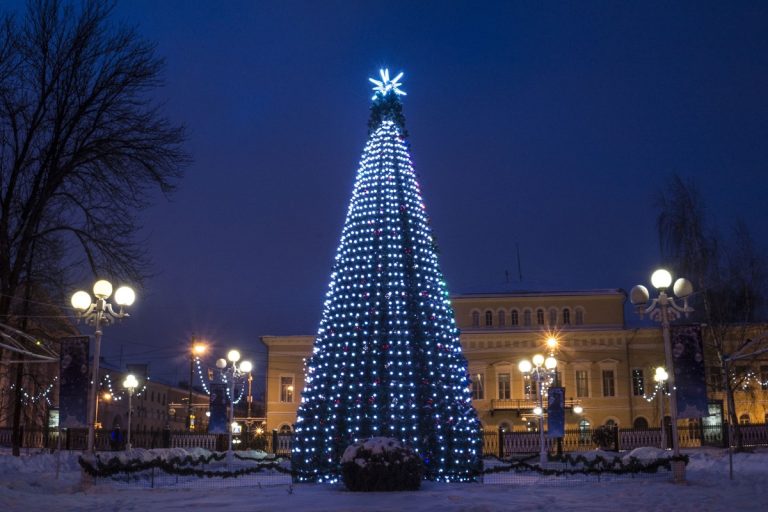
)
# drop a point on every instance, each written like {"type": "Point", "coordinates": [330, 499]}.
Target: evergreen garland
{"type": "Point", "coordinates": [178, 466]}
{"type": "Point", "coordinates": [592, 466]}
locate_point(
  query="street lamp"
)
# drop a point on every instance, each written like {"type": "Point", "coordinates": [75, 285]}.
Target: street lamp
{"type": "Point", "coordinates": [130, 383]}
{"type": "Point", "coordinates": [660, 377]}
{"type": "Point", "coordinates": [234, 370]}
{"type": "Point", "coordinates": [99, 313]}
{"type": "Point", "coordinates": [665, 309]}
{"type": "Point", "coordinates": [541, 369]}
{"type": "Point", "coordinates": [196, 351]}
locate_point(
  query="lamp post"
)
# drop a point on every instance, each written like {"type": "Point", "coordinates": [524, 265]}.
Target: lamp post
{"type": "Point", "coordinates": [541, 369]}
{"type": "Point", "coordinates": [105, 397]}
{"type": "Point", "coordinates": [197, 350]}
{"type": "Point", "coordinates": [664, 309]}
{"type": "Point", "coordinates": [99, 313]}
{"type": "Point", "coordinates": [660, 377]}
{"type": "Point", "coordinates": [235, 370]}
{"type": "Point", "coordinates": [130, 383]}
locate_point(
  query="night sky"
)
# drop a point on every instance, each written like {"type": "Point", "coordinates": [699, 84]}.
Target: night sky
{"type": "Point", "coordinates": [548, 126]}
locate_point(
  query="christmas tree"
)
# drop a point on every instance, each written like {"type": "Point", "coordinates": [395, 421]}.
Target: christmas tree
{"type": "Point", "coordinates": [387, 359]}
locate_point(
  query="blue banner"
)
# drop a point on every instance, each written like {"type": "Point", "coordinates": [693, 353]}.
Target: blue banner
{"type": "Point", "coordinates": [74, 382]}
{"type": "Point", "coordinates": [690, 379]}
{"type": "Point", "coordinates": [217, 423]}
{"type": "Point", "coordinates": [555, 412]}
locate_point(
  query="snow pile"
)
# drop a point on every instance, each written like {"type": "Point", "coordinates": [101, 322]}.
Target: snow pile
{"type": "Point", "coordinates": [374, 445]}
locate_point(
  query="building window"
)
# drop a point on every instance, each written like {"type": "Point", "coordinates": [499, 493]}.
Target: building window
{"type": "Point", "coordinates": [609, 383]}
{"type": "Point", "coordinates": [528, 389]}
{"type": "Point", "coordinates": [514, 317]}
{"type": "Point", "coordinates": [582, 383]}
{"type": "Point", "coordinates": [502, 319]}
{"type": "Point", "coordinates": [475, 319]}
{"type": "Point", "coordinates": [540, 316]}
{"type": "Point", "coordinates": [640, 422]}
{"type": "Point", "coordinates": [527, 318]}
{"type": "Point", "coordinates": [552, 317]}
{"type": "Point", "coordinates": [504, 387]}
{"type": "Point", "coordinates": [478, 386]}
{"type": "Point", "coordinates": [744, 419]}
{"type": "Point", "coordinates": [488, 319]}
{"type": "Point", "coordinates": [716, 379]}
{"type": "Point", "coordinates": [286, 389]}
{"type": "Point", "coordinates": [285, 429]}
{"type": "Point", "coordinates": [566, 316]}
{"type": "Point", "coordinates": [638, 382]}
{"type": "Point", "coordinates": [579, 317]}
{"type": "Point", "coordinates": [585, 432]}
{"type": "Point", "coordinates": [764, 377]}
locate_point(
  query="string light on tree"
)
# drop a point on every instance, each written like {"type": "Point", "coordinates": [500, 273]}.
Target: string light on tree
{"type": "Point", "coordinates": [387, 359]}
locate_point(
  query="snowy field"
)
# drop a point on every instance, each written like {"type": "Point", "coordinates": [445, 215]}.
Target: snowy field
{"type": "Point", "coordinates": [30, 483]}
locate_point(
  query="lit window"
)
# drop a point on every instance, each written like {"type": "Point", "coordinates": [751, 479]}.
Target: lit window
{"type": "Point", "coordinates": [286, 389]}
{"type": "Point", "coordinates": [744, 419]}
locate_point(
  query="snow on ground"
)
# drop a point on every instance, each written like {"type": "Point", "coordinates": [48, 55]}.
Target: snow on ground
{"type": "Point", "coordinates": [30, 483]}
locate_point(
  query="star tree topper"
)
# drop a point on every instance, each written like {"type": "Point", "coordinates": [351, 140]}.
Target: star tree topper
{"type": "Point", "coordinates": [385, 85]}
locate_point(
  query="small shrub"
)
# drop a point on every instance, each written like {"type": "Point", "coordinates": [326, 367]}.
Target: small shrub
{"type": "Point", "coordinates": [381, 464]}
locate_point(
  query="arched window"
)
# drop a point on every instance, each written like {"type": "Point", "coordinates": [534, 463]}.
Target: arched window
{"type": "Point", "coordinates": [285, 429]}
{"type": "Point", "coordinates": [475, 319]}
{"type": "Point", "coordinates": [744, 419]}
{"type": "Point", "coordinates": [502, 318]}
{"type": "Point", "coordinates": [585, 432]}
{"type": "Point", "coordinates": [504, 426]}
{"type": "Point", "coordinates": [640, 422]}
{"type": "Point", "coordinates": [488, 319]}
{"type": "Point", "coordinates": [553, 317]}
{"type": "Point", "coordinates": [566, 316]}
{"type": "Point", "coordinates": [527, 318]}
{"type": "Point", "coordinates": [540, 316]}
{"type": "Point", "coordinates": [579, 317]}
{"type": "Point", "coordinates": [514, 318]}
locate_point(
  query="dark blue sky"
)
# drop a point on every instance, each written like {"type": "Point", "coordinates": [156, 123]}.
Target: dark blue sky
{"type": "Point", "coordinates": [548, 125]}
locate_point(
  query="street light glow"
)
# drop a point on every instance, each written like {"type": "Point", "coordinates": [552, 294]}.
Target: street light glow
{"type": "Point", "coordinates": [102, 289]}
{"type": "Point", "coordinates": [233, 355]}
{"type": "Point", "coordinates": [661, 279]}
{"type": "Point", "coordinates": [538, 360]}
{"type": "Point", "coordinates": [81, 300]}
{"type": "Point", "coordinates": [125, 296]}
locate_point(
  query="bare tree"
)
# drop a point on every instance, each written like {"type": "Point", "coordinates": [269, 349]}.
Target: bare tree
{"type": "Point", "coordinates": [729, 275]}
{"type": "Point", "coordinates": [83, 147]}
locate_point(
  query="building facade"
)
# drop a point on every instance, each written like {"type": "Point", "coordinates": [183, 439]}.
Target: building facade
{"type": "Point", "coordinates": [605, 367]}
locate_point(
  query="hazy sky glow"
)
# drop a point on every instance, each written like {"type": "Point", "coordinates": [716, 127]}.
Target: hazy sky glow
{"type": "Point", "coordinates": [545, 125]}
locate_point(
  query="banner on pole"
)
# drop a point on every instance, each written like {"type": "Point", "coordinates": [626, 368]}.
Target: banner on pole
{"type": "Point", "coordinates": [217, 423]}
{"type": "Point", "coordinates": [690, 379]}
{"type": "Point", "coordinates": [556, 412]}
{"type": "Point", "coordinates": [74, 382]}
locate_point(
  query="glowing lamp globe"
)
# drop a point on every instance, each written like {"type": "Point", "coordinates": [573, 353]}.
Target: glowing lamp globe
{"type": "Point", "coordinates": [524, 366]}
{"type": "Point", "coordinates": [81, 300]}
{"type": "Point", "coordinates": [233, 355]}
{"type": "Point", "coordinates": [552, 343]}
{"type": "Point", "coordinates": [538, 360]}
{"type": "Point", "coordinates": [125, 296]}
{"type": "Point", "coordinates": [550, 363]}
{"type": "Point", "coordinates": [130, 382]}
{"type": "Point", "coordinates": [661, 279]}
{"type": "Point", "coordinates": [246, 366]}
{"type": "Point", "coordinates": [537, 411]}
{"type": "Point", "coordinates": [221, 363]}
{"type": "Point", "coordinates": [102, 289]}
{"type": "Point", "coordinates": [578, 409]}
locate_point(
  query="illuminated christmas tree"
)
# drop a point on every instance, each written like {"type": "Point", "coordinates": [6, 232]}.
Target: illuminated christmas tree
{"type": "Point", "coordinates": [387, 359]}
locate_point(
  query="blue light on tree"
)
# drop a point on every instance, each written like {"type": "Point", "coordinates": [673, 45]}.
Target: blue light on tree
{"type": "Point", "coordinates": [387, 359]}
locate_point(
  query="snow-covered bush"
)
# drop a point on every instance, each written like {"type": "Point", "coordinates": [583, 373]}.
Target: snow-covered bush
{"type": "Point", "coordinates": [381, 464]}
